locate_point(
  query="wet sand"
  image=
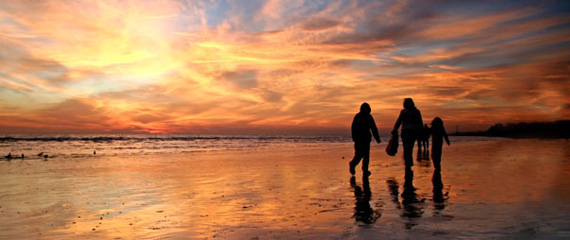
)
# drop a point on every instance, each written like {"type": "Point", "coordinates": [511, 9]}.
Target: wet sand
{"type": "Point", "coordinates": [491, 189]}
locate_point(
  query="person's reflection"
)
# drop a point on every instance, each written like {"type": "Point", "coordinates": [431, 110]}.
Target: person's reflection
{"type": "Point", "coordinates": [394, 187]}
{"type": "Point", "coordinates": [412, 206]}
{"type": "Point", "coordinates": [423, 159]}
{"type": "Point", "coordinates": [438, 198]}
{"type": "Point", "coordinates": [363, 212]}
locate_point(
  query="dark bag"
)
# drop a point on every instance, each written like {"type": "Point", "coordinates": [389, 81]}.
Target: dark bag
{"type": "Point", "coordinates": [392, 147]}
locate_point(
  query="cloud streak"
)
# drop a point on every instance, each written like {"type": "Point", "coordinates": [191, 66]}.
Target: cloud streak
{"type": "Point", "coordinates": [277, 66]}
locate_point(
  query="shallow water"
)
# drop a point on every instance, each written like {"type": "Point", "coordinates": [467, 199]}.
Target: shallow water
{"type": "Point", "coordinates": [491, 189]}
{"type": "Point", "coordinates": [85, 145]}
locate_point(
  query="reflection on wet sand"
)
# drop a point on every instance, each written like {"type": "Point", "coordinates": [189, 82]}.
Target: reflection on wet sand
{"type": "Point", "coordinates": [423, 158]}
{"type": "Point", "coordinates": [363, 212]}
{"type": "Point", "coordinates": [278, 194]}
{"type": "Point", "coordinates": [438, 198]}
{"type": "Point", "coordinates": [412, 207]}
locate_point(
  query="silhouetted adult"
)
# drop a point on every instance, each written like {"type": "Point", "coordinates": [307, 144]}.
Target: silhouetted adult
{"type": "Point", "coordinates": [362, 125]}
{"type": "Point", "coordinates": [412, 127]}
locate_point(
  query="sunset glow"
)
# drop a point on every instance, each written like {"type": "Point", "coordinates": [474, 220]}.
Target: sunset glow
{"type": "Point", "coordinates": [275, 66]}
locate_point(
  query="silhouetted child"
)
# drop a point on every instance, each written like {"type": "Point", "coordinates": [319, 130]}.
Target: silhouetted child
{"type": "Point", "coordinates": [437, 135]}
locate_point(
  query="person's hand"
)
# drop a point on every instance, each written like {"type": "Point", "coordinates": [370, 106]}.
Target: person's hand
{"type": "Point", "coordinates": [395, 131]}
{"type": "Point", "coordinates": [378, 141]}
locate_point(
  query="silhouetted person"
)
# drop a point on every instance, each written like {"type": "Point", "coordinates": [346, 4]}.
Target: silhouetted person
{"type": "Point", "coordinates": [437, 135]}
{"type": "Point", "coordinates": [363, 212]}
{"type": "Point", "coordinates": [362, 125]}
{"type": "Point", "coordinates": [411, 121]}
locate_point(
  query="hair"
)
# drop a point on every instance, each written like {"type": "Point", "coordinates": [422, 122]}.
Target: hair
{"type": "Point", "coordinates": [409, 103]}
{"type": "Point", "coordinates": [437, 122]}
{"type": "Point", "coordinates": [365, 108]}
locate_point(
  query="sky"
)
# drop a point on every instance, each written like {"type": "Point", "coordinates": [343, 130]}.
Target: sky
{"type": "Point", "coordinates": [278, 67]}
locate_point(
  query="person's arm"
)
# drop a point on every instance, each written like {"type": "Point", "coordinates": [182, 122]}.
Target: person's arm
{"type": "Point", "coordinates": [398, 123]}
{"type": "Point", "coordinates": [374, 129]}
{"type": "Point", "coordinates": [445, 136]}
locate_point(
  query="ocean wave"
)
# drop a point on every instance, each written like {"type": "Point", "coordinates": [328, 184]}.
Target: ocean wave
{"type": "Point", "coordinates": [137, 138]}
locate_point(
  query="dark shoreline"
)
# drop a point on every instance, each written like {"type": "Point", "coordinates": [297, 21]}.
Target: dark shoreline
{"type": "Point", "coordinates": [536, 130]}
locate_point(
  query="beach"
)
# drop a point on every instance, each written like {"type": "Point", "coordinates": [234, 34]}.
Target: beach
{"type": "Point", "coordinates": [492, 188]}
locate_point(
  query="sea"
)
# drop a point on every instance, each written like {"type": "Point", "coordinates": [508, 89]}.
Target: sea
{"type": "Point", "coordinates": [81, 145]}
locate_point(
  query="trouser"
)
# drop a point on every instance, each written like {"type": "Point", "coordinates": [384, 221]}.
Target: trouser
{"type": "Point", "coordinates": [409, 138]}
{"type": "Point", "coordinates": [436, 155]}
{"type": "Point", "coordinates": [361, 152]}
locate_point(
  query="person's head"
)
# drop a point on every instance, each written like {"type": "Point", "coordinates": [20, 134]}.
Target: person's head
{"type": "Point", "coordinates": [409, 103]}
{"type": "Point", "coordinates": [365, 108]}
{"type": "Point", "coordinates": [437, 122]}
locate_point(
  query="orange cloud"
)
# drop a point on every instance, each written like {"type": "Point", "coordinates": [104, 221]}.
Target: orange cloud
{"type": "Point", "coordinates": [206, 66]}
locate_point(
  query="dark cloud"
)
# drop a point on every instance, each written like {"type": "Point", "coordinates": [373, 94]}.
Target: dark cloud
{"type": "Point", "coordinates": [241, 78]}
{"type": "Point", "coordinates": [478, 94]}
{"type": "Point", "coordinates": [148, 118]}
{"type": "Point", "coordinates": [446, 91]}
{"type": "Point", "coordinates": [317, 24]}
{"type": "Point", "coordinates": [272, 96]}
{"type": "Point", "coordinates": [189, 107]}
{"type": "Point", "coordinates": [403, 23]}
{"type": "Point", "coordinates": [75, 113]}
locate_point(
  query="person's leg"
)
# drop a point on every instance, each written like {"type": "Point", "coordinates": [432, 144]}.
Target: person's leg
{"type": "Point", "coordinates": [356, 159]}
{"type": "Point", "coordinates": [436, 156]}
{"type": "Point", "coordinates": [408, 142]}
{"type": "Point", "coordinates": [365, 158]}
